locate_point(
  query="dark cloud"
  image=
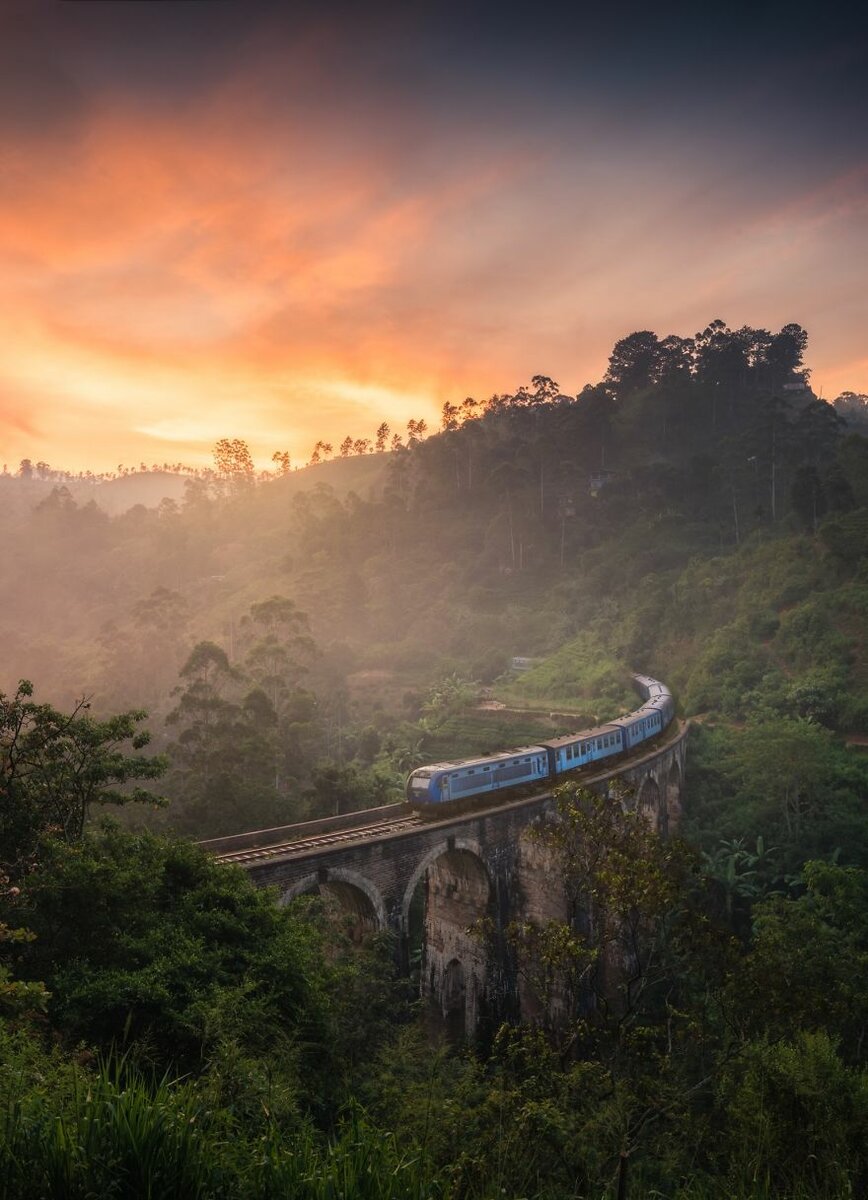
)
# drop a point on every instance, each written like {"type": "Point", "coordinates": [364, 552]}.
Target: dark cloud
{"type": "Point", "coordinates": [770, 74]}
{"type": "Point", "coordinates": [39, 98]}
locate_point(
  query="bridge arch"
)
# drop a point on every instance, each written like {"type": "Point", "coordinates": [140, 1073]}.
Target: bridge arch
{"type": "Point", "coordinates": [449, 845]}
{"type": "Point", "coordinates": [355, 895]}
{"type": "Point", "coordinates": [458, 891]}
{"type": "Point", "coordinates": [649, 803]}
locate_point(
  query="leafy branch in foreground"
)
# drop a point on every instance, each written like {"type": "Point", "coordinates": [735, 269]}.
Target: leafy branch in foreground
{"type": "Point", "coordinates": [54, 766]}
{"type": "Point", "coordinates": [16, 996]}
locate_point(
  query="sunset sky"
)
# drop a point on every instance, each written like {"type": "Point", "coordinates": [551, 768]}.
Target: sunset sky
{"type": "Point", "coordinates": [285, 223]}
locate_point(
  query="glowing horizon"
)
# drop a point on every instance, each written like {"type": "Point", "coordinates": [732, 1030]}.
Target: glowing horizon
{"type": "Point", "coordinates": [244, 226]}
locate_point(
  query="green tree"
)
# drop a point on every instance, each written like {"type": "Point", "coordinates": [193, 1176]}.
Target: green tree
{"type": "Point", "coordinates": [629, 915]}
{"type": "Point", "coordinates": [148, 941]}
{"type": "Point", "coordinates": [54, 767]}
{"type": "Point", "coordinates": [807, 968]}
{"type": "Point", "coordinates": [787, 762]}
{"type": "Point", "coordinates": [449, 417]}
{"type": "Point", "coordinates": [793, 1119]}
{"type": "Point", "coordinates": [785, 354]}
{"type": "Point", "coordinates": [633, 363]}
{"type": "Point", "coordinates": [278, 646]}
{"type": "Point", "coordinates": [205, 755]}
{"type": "Point", "coordinates": [416, 431]}
{"type": "Point", "coordinates": [336, 789]}
{"type": "Point", "coordinates": [229, 759]}
{"type": "Point", "coordinates": [234, 464]}
{"type": "Point", "coordinates": [808, 497]}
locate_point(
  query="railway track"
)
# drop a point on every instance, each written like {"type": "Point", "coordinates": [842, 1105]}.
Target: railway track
{"type": "Point", "coordinates": [402, 824]}
{"type": "Point", "coordinates": [320, 840]}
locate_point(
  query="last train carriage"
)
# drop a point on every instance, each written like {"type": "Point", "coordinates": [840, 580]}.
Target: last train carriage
{"type": "Point", "coordinates": [449, 782]}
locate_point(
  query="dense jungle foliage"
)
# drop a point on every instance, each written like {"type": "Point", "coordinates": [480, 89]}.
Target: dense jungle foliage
{"type": "Point", "coordinates": [299, 644]}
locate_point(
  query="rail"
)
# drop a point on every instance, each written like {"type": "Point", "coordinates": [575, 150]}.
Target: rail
{"type": "Point", "coordinates": [299, 829]}
{"type": "Point", "coordinates": [310, 841]}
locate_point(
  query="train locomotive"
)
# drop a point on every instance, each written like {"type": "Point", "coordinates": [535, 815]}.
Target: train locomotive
{"type": "Point", "coordinates": [448, 783]}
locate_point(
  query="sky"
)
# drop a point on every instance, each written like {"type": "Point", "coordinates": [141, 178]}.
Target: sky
{"type": "Point", "coordinates": [285, 223]}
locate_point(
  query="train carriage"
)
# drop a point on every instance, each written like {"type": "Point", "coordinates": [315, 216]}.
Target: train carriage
{"type": "Point", "coordinates": [448, 781]}
{"type": "Point", "coordinates": [576, 750]}
{"type": "Point", "coordinates": [645, 723]}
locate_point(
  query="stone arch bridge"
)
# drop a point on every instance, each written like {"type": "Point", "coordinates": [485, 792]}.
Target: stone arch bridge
{"type": "Point", "coordinates": [468, 866]}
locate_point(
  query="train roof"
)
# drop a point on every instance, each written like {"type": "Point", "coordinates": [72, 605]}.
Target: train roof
{"type": "Point", "coordinates": [646, 681]}
{"type": "Point", "coordinates": [483, 760]}
{"type": "Point", "coordinates": [633, 717]}
{"type": "Point", "coordinates": [570, 738]}
{"type": "Point", "coordinates": [655, 705]}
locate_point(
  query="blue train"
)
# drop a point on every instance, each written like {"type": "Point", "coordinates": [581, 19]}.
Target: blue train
{"type": "Point", "coordinates": [449, 782]}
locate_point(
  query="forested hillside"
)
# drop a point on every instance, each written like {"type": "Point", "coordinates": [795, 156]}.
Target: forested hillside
{"type": "Point", "coordinates": [301, 642]}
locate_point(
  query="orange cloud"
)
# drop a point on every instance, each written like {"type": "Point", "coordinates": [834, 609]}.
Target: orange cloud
{"type": "Point", "coordinates": [271, 262]}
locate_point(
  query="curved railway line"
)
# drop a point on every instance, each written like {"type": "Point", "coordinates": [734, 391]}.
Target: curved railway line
{"type": "Point", "coordinates": [405, 821]}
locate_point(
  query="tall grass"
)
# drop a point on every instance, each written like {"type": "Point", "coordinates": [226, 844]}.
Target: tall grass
{"type": "Point", "coordinates": [116, 1134]}
{"type": "Point", "coordinates": [109, 1135]}
{"type": "Point", "coordinates": [363, 1163]}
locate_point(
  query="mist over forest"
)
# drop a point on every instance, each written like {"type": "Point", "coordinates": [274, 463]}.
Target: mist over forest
{"type": "Point", "coordinates": [323, 621]}
{"type": "Point", "coordinates": [301, 638]}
